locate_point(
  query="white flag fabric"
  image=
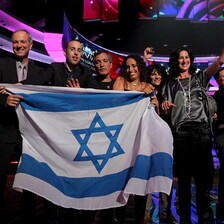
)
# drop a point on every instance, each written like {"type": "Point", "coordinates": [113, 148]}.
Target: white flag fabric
{"type": "Point", "coordinates": [90, 149]}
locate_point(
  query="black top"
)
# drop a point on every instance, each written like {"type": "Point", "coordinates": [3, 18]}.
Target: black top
{"type": "Point", "coordinates": [96, 83]}
{"type": "Point", "coordinates": [8, 117]}
{"type": "Point", "coordinates": [57, 74]}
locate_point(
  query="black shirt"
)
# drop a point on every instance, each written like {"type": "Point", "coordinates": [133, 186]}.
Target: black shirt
{"type": "Point", "coordinates": [95, 82]}
{"type": "Point", "coordinates": [57, 74]}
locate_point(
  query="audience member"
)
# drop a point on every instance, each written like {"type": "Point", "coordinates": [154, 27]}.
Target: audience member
{"type": "Point", "coordinates": [182, 100]}
{"type": "Point", "coordinates": [219, 141]}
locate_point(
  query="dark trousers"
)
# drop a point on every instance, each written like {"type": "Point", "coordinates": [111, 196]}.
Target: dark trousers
{"type": "Point", "coordinates": [140, 204]}
{"type": "Point", "coordinates": [106, 215]}
{"type": "Point", "coordinates": [193, 158]}
{"type": "Point", "coordinates": [6, 152]}
{"type": "Point", "coordinates": [79, 216]}
{"type": "Point", "coordinates": [28, 209]}
{"type": "Point", "coordinates": [219, 141]}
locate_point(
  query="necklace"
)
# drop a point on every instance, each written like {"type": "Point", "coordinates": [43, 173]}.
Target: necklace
{"type": "Point", "coordinates": [187, 96]}
{"type": "Point", "coordinates": [135, 84]}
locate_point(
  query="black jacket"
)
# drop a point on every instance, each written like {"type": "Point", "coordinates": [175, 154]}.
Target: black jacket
{"type": "Point", "coordinates": [56, 74]}
{"type": "Point", "coordinates": [8, 116]}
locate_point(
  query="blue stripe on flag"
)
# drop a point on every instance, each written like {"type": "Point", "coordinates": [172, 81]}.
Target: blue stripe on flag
{"type": "Point", "coordinates": [53, 102]}
{"type": "Point", "coordinates": [145, 168]}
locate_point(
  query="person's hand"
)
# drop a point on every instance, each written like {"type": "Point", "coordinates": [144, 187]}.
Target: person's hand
{"type": "Point", "coordinates": [13, 100]}
{"type": "Point", "coordinates": [2, 90]}
{"type": "Point", "coordinates": [148, 89]}
{"type": "Point", "coordinates": [73, 83]}
{"type": "Point", "coordinates": [215, 117]}
{"type": "Point", "coordinates": [154, 101]}
{"type": "Point", "coordinates": [166, 105]}
{"type": "Point", "coordinates": [148, 53]}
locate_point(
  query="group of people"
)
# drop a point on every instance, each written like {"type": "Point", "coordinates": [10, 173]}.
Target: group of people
{"type": "Point", "coordinates": [176, 93]}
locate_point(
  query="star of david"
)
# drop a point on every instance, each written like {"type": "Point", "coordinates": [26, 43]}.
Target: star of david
{"type": "Point", "coordinates": [83, 136]}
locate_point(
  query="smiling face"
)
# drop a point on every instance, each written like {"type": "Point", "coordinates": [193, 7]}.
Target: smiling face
{"type": "Point", "coordinates": [102, 64]}
{"type": "Point", "coordinates": [21, 44]}
{"type": "Point", "coordinates": [132, 69]}
{"type": "Point", "coordinates": [73, 53]}
{"type": "Point", "coordinates": [184, 61]}
{"type": "Point", "coordinates": [156, 78]}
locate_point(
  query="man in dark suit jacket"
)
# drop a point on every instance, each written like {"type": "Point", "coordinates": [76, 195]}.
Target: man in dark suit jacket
{"type": "Point", "coordinates": [9, 70]}
{"type": "Point", "coordinates": [13, 70]}
{"type": "Point", "coordinates": [59, 73]}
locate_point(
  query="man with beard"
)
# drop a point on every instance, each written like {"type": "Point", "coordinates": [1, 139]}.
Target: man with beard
{"type": "Point", "coordinates": [59, 73]}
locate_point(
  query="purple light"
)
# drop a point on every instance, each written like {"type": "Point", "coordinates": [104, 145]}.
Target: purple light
{"type": "Point", "coordinates": [53, 41]}
{"type": "Point", "coordinates": [184, 9]}
{"type": "Point", "coordinates": [53, 45]}
{"type": "Point", "coordinates": [13, 24]}
{"type": "Point", "coordinates": [196, 60]}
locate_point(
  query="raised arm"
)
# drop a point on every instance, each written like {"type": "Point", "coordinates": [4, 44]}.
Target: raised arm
{"type": "Point", "coordinates": [148, 53]}
{"type": "Point", "coordinates": [216, 65]}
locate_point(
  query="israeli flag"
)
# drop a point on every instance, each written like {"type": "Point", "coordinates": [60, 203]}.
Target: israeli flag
{"type": "Point", "coordinates": [90, 149]}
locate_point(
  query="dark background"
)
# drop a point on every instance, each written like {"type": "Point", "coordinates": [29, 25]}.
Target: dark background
{"type": "Point", "coordinates": [129, 34]}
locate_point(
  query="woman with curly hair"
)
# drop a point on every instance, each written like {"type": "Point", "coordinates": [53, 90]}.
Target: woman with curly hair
{"type": "Point", "coordinates": [133, 76]}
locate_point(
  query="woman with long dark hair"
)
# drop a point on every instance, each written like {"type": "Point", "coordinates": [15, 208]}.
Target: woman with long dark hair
{"type": "Point", "coordinates": [182, 100]}
{"type": "Point", "coordinates": [133, 77]}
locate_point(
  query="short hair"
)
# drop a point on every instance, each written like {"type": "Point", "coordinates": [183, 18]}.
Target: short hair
{"type": "Point", "coordinates": [100, 52]}
{"type": "Point", "coordinates": [141, 66]}
{"type": "Point", "coordinates": [174, 65]}
{"type": "Point", "coordinates": [27, 32]}
{"type": "Point", "coordinates": [216, 76]}
{"type": "Point", "coordinates": [65, 46]}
